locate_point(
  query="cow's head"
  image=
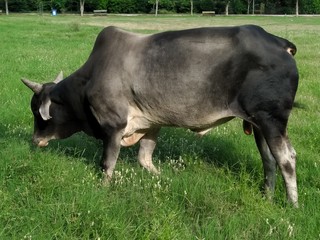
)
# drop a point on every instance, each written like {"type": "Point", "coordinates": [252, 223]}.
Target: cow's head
{"type": "Point", "coordinates": [52, 119]}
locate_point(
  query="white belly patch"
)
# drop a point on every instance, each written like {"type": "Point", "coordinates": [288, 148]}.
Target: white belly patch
{"type": "Point", "coordinates": [138, 124]}
{"type": "Point", "coordinates": [131, 140]}
{"type": "Point", "coordinates": [137, 127]}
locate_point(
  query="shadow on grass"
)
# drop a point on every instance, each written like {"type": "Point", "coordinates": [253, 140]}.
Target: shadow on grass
{"type": "Point", "coordinates": [173, 143]}
{"type": "Point", "coordinates": [222, 150]}
{"type": "Point", "coordinates": [225, 150]}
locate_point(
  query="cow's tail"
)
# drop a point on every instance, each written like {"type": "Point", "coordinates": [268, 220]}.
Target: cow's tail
{"type": "Point", "coordinates": [291, 48]}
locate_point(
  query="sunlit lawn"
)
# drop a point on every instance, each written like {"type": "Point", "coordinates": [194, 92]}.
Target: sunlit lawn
{"type": "Point", "coordinates": [209, 187]}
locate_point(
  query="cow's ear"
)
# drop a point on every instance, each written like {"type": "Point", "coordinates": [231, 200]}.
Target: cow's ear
{"type": "Point", "coordinates": [59, 77]}
{"type": "Point", "coordinates": [35, 87]}
{"type": "Point", "coordinates": [44, 110]}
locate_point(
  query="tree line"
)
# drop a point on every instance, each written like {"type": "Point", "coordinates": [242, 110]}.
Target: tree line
{"type": "Point", "coordinates": [166, 6]}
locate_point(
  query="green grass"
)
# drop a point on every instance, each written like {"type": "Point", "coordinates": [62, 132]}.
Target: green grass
{"type": "Point", "coordinates": [209, 187]}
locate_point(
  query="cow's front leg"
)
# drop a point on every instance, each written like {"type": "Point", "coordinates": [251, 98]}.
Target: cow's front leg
{"type": "Point", "coordinates": [111, 117]}
{"type": "Point", "coordinates": [111, 149]}
{"type": "Point", "coordinates": [269, 164]}
{"type": "Point", "coordinates": [147, 145]}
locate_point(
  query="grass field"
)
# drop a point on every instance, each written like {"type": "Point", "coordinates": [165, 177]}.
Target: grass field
{"type": "Point", "coordinates": [209, 187]}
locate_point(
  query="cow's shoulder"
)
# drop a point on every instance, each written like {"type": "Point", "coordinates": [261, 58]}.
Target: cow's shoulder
{"type": "Point", "coordinates": [112, 32]}
{"type": "Point", "coordinates": [115, 38]}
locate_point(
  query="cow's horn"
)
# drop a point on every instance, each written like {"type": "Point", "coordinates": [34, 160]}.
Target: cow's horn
{"type": "Point", "coordinates": [35, 87]}
{"type": "Point", "coordinates": [59, 77]}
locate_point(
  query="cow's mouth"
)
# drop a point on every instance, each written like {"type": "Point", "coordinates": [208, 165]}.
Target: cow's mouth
{"type": "Point", "coordinates": [43, 143]}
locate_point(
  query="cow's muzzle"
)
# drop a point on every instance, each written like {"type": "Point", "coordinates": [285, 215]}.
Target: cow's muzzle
{"type": "Point", "coordinates": [41, 142]}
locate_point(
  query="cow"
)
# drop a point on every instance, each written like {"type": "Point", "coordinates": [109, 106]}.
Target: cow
{"type": "Point", "coordinates": [134, 84]}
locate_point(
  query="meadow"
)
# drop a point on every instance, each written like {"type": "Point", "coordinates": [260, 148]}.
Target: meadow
{"type": "Point", "coordinates": [209, 187]}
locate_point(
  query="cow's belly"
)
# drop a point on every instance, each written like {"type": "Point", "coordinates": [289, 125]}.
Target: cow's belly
{"type": "Point", "coordinates": [204, 129]}
{"type": "Point", "coordinates": [139, 124]}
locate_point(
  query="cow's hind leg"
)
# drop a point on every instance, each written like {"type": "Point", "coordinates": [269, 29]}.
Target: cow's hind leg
{"type": "Point", "coordinates": [269, 164]}
{"type": "Point", "coordinates": [285, 156]}
{"type": "Point", "coordinates": [147, 145]}
{"type": "Point", "coordinates": [286, 159]}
